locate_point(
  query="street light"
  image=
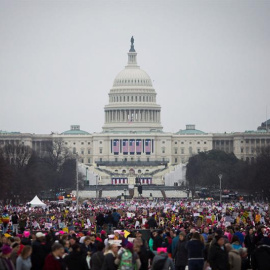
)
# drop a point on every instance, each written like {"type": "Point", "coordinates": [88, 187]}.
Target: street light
{"type": "Point", "coordinates": [77, 188]}
{"type": "Point", "coordinates": [220, 177]}
{"type": "Point", "coordinates": [86, 180]}
{"type": "Point", "coordinates": [96, 187]}
{"type": "Point", "coordinates": [125, 193]}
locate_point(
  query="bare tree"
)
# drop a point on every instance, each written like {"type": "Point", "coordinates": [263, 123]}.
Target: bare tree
{"type": "Point", "coordinates": [17, 155]}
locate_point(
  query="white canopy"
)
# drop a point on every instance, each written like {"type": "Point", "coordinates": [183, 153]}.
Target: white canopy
{"type": "Point", "coordinates": [36, 202]}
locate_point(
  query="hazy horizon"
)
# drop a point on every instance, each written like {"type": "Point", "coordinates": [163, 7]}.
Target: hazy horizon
{"type": "Point", "coordinates": [209, 61]}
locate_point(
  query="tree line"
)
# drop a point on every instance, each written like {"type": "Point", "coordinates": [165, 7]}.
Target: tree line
{"type": "Point", "coordinates": [252, 178]}
{"type": "Point", "coordinates": [25, 173]}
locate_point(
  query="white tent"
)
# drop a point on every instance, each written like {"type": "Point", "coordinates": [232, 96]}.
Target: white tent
{"type": "Point", "coordinates": [36, 202]}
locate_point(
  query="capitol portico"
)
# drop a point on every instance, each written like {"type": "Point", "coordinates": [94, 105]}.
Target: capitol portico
{"type": "Point", "coordinates": [133, 141]}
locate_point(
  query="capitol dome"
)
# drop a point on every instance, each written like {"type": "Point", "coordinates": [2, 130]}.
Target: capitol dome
{"type": "Point", "coordinates": [132, 100]}
{"type": "Point", "coordinates": [132, 76]}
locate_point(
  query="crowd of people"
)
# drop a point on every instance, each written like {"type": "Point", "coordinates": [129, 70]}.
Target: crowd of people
{"type": "Point", "coordinates": [136, 234]}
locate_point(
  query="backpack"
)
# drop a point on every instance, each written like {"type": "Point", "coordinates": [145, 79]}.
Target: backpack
{"type": "Point", "coordinates": [159, 264]}
{"type": "Point", "coordinates": [126, 262]}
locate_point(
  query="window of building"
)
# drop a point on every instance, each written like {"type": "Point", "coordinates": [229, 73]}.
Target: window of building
{"type": "Point", "coordinates": [190, 142]}
{"type": "Point", "coordinates": [74, 150]}
{"type": "Point", "coordinates": [82, 143]}
{"type": "Point", "coordinates": [198, 150]}
{"type": "Point", "coordinates": [175, 142]}
{"type": "Point", "coordinates": [175, 150]}
{"type": "Point", "coordinates": [247, 150]}
{"type": "Point", "coordinates": [89, 160]}
{"type": "Point", "coordinates": [163, 150]}
{"type": "Point", "coordinates": [66, 143]}
{"type": "Point", "coordinates": [242, 150]}
{"type": "Point", "coordinates": [123, 171]}
{"type": "Point", "coordinates": [89, 151]}
{"type": "Point", "coordinates": [100, 142]}
{"type": "Point", "coordinates": [198, 142]}
{"type": "Point", "coordinates": [147, 159]}
{"type": "Point", "coordinates": [163, 142]}
{"type": "Point", "coordinates": [139, 171]}
{"type": "Point", "coordinates": [116, 159]}
{"type": "Point", "coordinates": [82, 160]}
{"type": "Point", "coordinates": [247, 140]}
{"type": "Point", "coordinates": [82, 152]}
{"type": "Point", "coordinates": [190, 150]}
{"type": "Point", "coordinates": [100, 159]}
{"type": "Point", "coordinates": [88, 143]}
{"type": "Point", "coordinates": [74, 143]}
{"type": "Point", "coordinates": [204, 142]}
{"type": "Point", "coordinates": [100, 150]}
{"type": "Point", "coordinates": [182, 142]}
{"type": "Point", "coordinates": [182, 151]}
{"type": "Point", "coordinates": [175, 160]}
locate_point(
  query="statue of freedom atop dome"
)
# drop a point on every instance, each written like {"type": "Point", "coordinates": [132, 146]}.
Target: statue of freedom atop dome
{"type": "Point", "coordinates": [132, 45]}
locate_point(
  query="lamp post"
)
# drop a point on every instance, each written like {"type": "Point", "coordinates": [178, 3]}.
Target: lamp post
{"type": "Point", "coordinates": [86, 180]}
{"type": "Point", "coordinates": [96, 187]}
{"type": "Point", "coordinates": [125, 193]}
{"type": "Point", "coordinates": [220, 177]}
{"type": "Point", "coordinates": [77, 188]}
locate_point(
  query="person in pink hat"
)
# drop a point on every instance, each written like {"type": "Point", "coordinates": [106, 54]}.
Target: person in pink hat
{"type": "Point", "coordinates": [5, 261]}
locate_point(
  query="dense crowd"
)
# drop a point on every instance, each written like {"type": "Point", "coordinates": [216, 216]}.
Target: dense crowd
{"type": "Point", "coordinates": [140, 235]}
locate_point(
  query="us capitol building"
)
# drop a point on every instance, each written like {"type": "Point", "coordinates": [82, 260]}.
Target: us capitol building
{"type": "Point", "coordinates": [133, 142]}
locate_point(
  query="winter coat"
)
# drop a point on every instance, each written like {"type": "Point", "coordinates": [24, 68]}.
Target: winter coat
{"type": "Point", "coordinates": [152, 223]}
{"type": "Point", "coordinates": [261, 258]}
{"type": "Point", "coordinates": [234, 260]}
{"type": "Point", "coordinates": [38, 256]}
{"type": "Point", "coordinates": [218, 257]}
{"type": "Point", "coordinates": [157, 242]}
{"type": "Point", "coordinates": [195, 249]}
{"type": "Point", "coordinates": [180, 253]}
{"type": "Point", "coordinates": [51, 263]}
{"type": "Point", "coordinates": [168, 264]}
{"type": "Point", "coordinates": [108, 263]}
{"type": "Point", "coordinates": [97, 260]}
{"type": "Point", "coordinates": [4, 264]}
{"type": "Point", "coordinates": [249, 242]}
{"type": "Point", "coordinates": [76, 261]}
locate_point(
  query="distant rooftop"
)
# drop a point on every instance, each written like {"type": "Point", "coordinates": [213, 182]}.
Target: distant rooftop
{"type": "Point", "coordinates": [75, 130]}
{"type": "Point", "coordinates": [9, 132]}
{"type": "Point", "coordinates": [190, 130]}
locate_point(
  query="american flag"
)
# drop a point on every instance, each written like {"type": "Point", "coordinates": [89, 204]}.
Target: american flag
{"type": "Point", "coordinates": [147, 146]}
{"type": "Point", "coordinates": [116, 146]}
{"type": "Point", "coordinates": [125, 146]}
{"type": "Point", "coordinates": [138, 146]}
{"type": "Point", "coordinates": [132, 146]}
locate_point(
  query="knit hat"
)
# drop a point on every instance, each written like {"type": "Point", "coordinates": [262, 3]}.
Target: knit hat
{"type": "Point", "coordinates": [6, 250]}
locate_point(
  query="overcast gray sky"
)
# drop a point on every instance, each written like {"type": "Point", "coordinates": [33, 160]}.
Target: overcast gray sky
{"type": "Point", "coordinates": [209, 61]}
